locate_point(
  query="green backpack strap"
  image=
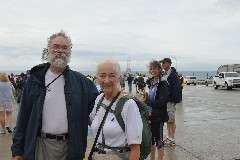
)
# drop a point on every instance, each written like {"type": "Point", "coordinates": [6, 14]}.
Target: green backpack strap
{"type": "Point", "coordinates": [119, 108]}
{"type": "Point", "coordinates": [99, 103]}
{"type": "Point", "coordinates": [145, 146]}
{"type": "Point", "coordinates": [103, 105]}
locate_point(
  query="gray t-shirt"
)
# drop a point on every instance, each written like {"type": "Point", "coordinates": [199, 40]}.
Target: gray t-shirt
{"type": "Point", "coordinates": [6, 92]}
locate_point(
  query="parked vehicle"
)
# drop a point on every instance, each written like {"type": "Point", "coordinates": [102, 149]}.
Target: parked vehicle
{"type": "Point", "coordinates": [208, 81]}
{"type": "Point", "coordinates": [228, 80]}
{"type": "Point", "coordinates": [190, 80]}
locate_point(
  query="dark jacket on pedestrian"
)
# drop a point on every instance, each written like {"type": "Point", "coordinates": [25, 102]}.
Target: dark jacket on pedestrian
{"type": "Point", "coordinates": [80, 94]}
{"type": "Point", "coordinates": [140, 82]}
{"type": "Point", "coordinates": [159, 105]}
{"type": "Point", "coordinates": [174, 87]}
{"type": "Point", "coordinates": [148, 82]}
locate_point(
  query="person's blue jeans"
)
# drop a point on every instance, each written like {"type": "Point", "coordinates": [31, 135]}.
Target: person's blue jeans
{"type": "Point", "coordinates": [130, 87]}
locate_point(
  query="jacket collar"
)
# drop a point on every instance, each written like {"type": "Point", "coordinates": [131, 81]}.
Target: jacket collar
{"type": "Point", "coordinates": [40, 71]}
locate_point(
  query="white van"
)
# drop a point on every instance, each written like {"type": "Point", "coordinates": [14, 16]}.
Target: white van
{"type": "Point", "coordinates": [190, 80]}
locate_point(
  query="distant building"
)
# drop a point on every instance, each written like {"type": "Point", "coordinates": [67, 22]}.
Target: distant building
{"type": "Point", "coordinates": [229, 68]}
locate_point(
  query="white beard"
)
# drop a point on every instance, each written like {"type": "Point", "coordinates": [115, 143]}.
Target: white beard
{"type": "Point", "coordinates": [59, 60]}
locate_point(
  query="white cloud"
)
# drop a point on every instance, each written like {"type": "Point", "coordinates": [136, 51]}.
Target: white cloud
{"type": "Point", "coordinates": [202, 35]}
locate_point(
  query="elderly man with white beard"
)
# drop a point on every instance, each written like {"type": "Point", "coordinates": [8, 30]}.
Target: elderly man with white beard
{"type": "Point", "coordinates": [55, 106]}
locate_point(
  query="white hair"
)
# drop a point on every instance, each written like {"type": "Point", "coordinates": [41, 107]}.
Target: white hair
{"type": "Point", "coordinates": [116, 66]}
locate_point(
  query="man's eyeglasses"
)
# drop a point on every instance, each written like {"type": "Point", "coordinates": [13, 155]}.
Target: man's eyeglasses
{"type": "Point", "coordinates": [57, 47]}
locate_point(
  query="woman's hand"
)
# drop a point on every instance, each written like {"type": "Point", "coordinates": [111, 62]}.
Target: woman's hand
{"type": "Point", "coordinates": [149, 114]}
{"type": "Point", "coordinates": [135, 152]}
{"type": "Point", "coordinates": [143, 99]}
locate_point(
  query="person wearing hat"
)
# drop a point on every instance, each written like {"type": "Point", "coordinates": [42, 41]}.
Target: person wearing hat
{"type": "Point", "coordinates": [174, 90]}
{"type": "Point", "coordinates": [20, 85]}
{"type": "Point", "coordinates": [25, 77]}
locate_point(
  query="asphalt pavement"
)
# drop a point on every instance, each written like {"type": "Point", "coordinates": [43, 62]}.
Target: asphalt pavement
{"type": "Point", "coordinates": [208, 126]}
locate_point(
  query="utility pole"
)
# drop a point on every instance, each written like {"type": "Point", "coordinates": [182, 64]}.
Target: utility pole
{"type": "Point", "coordinates": [128, 65]}
{"type": "Point", "coordinates": [175, 60]}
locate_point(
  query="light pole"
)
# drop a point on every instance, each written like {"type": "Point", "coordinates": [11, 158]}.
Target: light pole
{"type": "Point", "coordinates": [175, 60]}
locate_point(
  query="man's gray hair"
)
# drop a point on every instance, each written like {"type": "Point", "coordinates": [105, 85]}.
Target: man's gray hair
{"type": "Point", "coordinates": [49, 42]}
{"type": "Point", "coordinates": [116, 66]}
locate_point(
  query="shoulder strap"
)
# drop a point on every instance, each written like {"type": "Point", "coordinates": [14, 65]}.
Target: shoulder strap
{"type": "Point", "coordinates": [103, 105]}
{"type": "Point", "coordinates": [101, 125]}
{"type": "Point", "coordinates": [99, 103]}
{"type": "Point", "coordinates": [119, 108]}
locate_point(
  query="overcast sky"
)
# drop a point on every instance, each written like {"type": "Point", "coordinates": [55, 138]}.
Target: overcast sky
{"type": "Point", "coordinates": [198, 35]}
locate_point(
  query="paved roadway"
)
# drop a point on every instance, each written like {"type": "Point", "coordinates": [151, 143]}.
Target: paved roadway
{"type": "Point", "coordinates": [208, 123]}
{"type": "Point", "coordinates": [207, 126]}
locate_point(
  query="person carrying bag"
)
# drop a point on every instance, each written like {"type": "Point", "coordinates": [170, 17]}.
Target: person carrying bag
{"type": "Point", "coordinates": [99, 129]}
{"type": "Point", "coordinates": [112, 141]}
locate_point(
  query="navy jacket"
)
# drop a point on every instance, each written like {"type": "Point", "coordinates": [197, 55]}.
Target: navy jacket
{"type": "Point", "coordinates": [80, 95]}
{"type": "Point", "coordinates": [174, 87]}
{"type": "Point", "coordinates": [159, 105]}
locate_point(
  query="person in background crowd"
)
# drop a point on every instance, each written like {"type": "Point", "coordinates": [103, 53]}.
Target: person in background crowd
{"type": "Point", "coordinates": [22, 77]}
{"type": "Point", "coordinates": [28, 75]}
{"type": "Point", "coordinates": [6, 103]}
{"type": "Point", "coordinates": [130, 81]}
{"type": "Point", "coordinates": [122, 82]}
{"type": "Point", "coordinates": [55, 106]}
{"type": "Point", "coordinates": [145, 80]}
{"type": "Point", "coordinates": [9, 77]}
{"type": "Point", "coordinates": [25, 77]}
{"type": "Point", "coordinates": [140, 83]}
{"type": "Point", "coordinates": [12, 80]}
{"type": "Point", "coordinates": [148, 82]}
{"type": "Point", "coordinates": [182, 82]}
{"type": "Point", "coordinates": [108, 76]}
{"type": "Point", "coordinates": [90, 78]}
{"type": "Point", "coordinates": [135, 82]}
{"type": "Point", "coordinates": [157, 102]}
{"type": "Point", "coordinates": [95, 80]}
{"type": "Point", "coordinates": [174, 89]}
{"type": "Point", "coordinates": [20, 86]}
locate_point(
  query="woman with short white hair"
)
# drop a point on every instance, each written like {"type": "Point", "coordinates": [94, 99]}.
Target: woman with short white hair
{"type": "Point", "coordinates": [6, 103]}
{"type": "Point", "coordinates": [112, 138]}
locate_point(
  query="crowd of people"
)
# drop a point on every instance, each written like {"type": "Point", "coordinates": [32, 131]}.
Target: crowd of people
{"type": "Point", "coordinates": [58, 104]}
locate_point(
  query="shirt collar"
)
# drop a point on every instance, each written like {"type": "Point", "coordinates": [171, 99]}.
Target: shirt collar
{"type": "Point", "coordinates": [168, 72]}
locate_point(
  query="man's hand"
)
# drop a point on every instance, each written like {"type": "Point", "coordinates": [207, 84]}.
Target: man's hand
{"type": "Point", "coordinates": [17, 158]}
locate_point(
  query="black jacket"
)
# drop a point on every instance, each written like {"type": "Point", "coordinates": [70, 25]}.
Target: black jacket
{"type": "Point", "coordinates": [159, 105]}
{"type": "Point", "coordinates": [174, 87]}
